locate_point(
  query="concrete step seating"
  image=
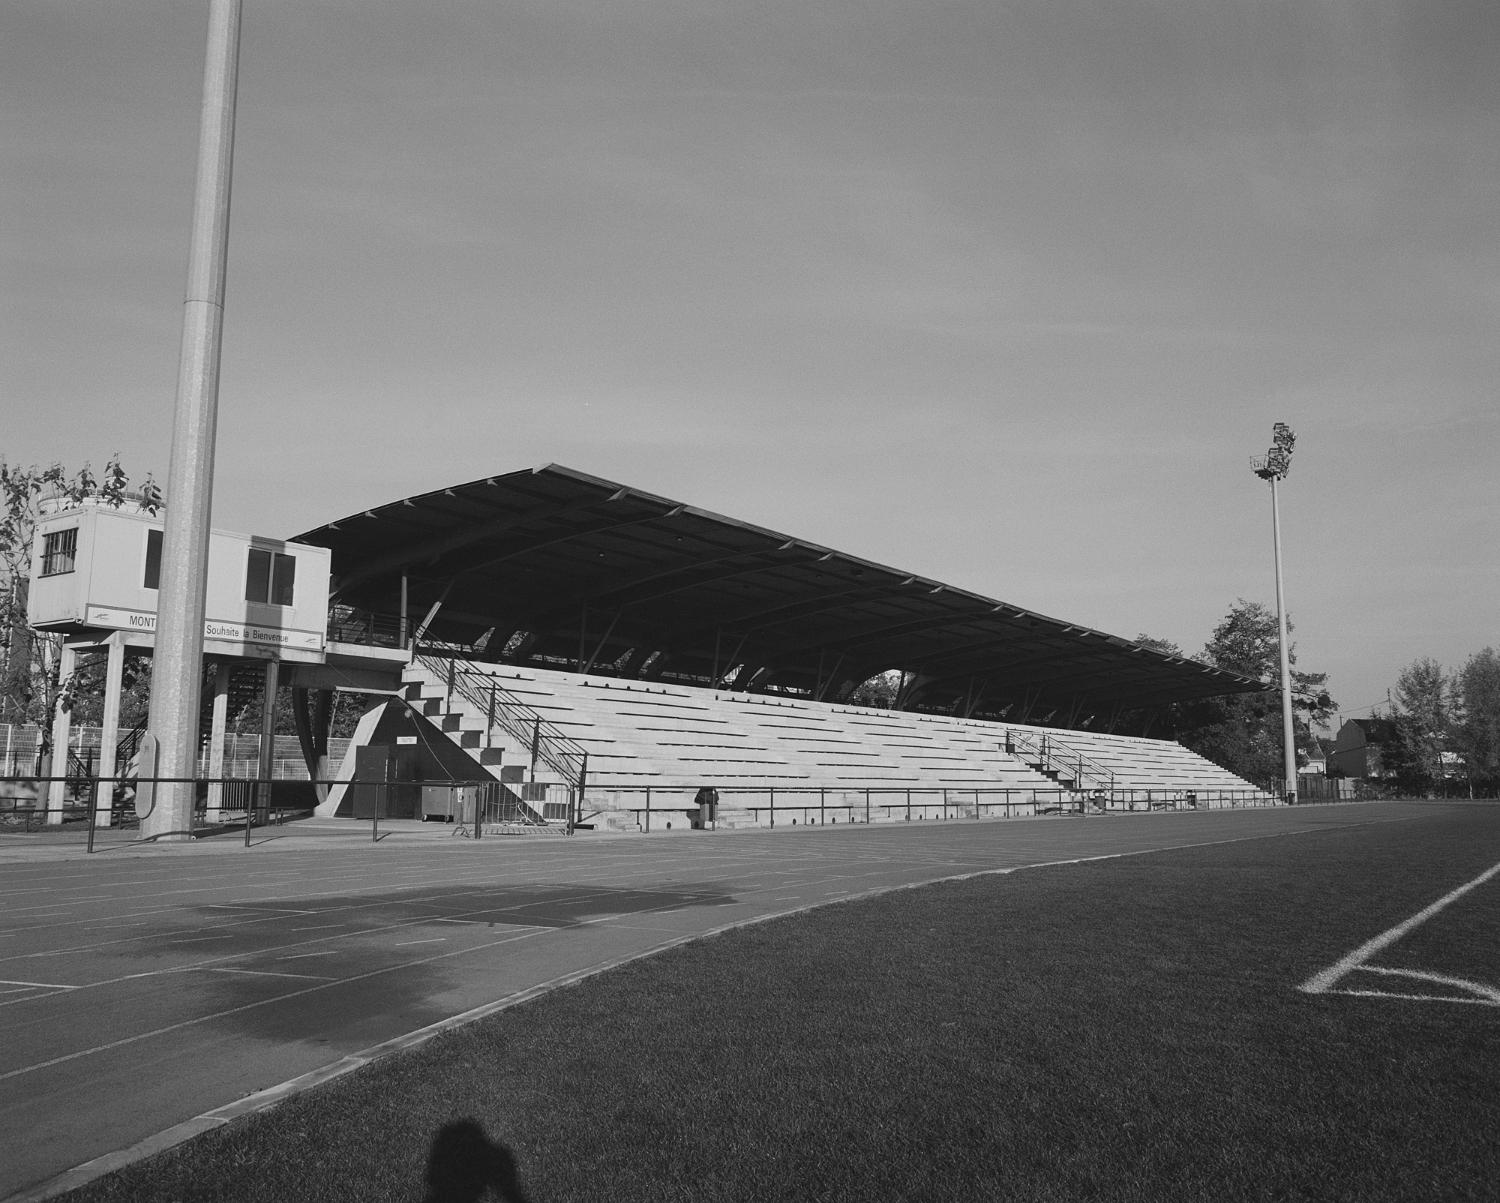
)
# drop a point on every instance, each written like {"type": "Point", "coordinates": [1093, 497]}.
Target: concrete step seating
{"type": "Point", "coordinates": [955, 749]}
{"type": "Point", "coordinates": [673, 739]}
{"type": "Point", "coordinates": [606, 755]}
{"type": "Point", "coordinates": [1149, 764]}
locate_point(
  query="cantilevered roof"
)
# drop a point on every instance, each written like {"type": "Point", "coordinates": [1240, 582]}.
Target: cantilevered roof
{"type": "Point", "coordinates": [549, 566]}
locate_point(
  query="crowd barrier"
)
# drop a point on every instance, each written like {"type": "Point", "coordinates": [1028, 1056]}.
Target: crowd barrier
{"type": "Point", "coordinates": [78, 809]}
{"type": "Point", "coordinates": [657, 807]}
{"type": "Point", "coordinates": [94, 808]}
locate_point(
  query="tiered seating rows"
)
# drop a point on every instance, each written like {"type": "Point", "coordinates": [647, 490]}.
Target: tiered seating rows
{"type": "Point", "coordinates": [1147, 764]}
{"type": "Point", "coordinates": [641, 733]}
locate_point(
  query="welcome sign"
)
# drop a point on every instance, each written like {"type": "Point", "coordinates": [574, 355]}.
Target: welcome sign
{"type": "Point", "coordinates": [118, 619]}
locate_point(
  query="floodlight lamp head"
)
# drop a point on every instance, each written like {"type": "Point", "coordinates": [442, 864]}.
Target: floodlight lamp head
{"type": "Point", "coordinates": [1277, 461]}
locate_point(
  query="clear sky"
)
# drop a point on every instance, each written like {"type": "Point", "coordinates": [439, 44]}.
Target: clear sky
{"type": "Point", "coordinates": [1003, 293]}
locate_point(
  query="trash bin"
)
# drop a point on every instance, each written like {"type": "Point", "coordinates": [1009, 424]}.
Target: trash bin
{"type": "Point", "coordinates": [440, 802]}
{"type": "Point", "coordinates": [706, 801]}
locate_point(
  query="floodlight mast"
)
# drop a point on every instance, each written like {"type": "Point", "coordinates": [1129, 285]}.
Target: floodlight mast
{"type": "Point", "coordinates": [1273, 467]}
{"type": "Point", "coordinates": [177, 674]}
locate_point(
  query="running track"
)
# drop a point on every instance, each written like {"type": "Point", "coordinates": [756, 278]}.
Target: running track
{"type": "Point", "coordinates": [143, 993]}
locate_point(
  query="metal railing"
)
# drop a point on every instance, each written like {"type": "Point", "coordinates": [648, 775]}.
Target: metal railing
{"type": "Point", "coordinates": [1044, 751]}
{"type": "Point", "coordinates": [366, 628]}
{"type": "Point", "coordinates": [656, 807]}
{"type": "Point", "coordinates": [224, 806]}
{"type": "Point", "coordinates": [501, 708]}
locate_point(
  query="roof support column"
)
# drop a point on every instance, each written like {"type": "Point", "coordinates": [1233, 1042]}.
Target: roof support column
{"type": "Point", "coordinates": [114, 682]}
{"type": "Point", "coordinates": [603, 639]}
{"type": "Point", "coordinates": [62, 726]}
{"type": "Point", "coordinates": [312, 711]}
{"type": "Point", "coordinates": [825, 684]}
{"type": "Point", "coordinates": [1028, 704]}
{"type": "Point", "coordinates": [972, 697]}
{"type": "Point", "coordinates": [217, 726]}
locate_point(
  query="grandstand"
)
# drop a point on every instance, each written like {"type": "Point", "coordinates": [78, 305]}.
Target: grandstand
{"type": "Point", "coordinates": [646, 741]}
{"type": "Point", "coordinates": [606, 653]}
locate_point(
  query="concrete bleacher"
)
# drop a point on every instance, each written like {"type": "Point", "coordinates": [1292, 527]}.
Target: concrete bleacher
{"type": "Point", "coordinates": [1149, 766]}
{"type": "Point", "coordinates": [653, 745]}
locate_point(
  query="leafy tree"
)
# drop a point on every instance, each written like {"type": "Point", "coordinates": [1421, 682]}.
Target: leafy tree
{"type": "Point", "coordinates": [1422, 719]}
{"type": "Point", "coordinates": [30, 690]}
{"type": "Point", "coordinates": [881, 691]}
{"type": "Point", "coordinates": [1165, 646]}
{"type": "Point", "coordinates": [1242, 731]}
{"type": "Point", "coordinates": [1477, 731]}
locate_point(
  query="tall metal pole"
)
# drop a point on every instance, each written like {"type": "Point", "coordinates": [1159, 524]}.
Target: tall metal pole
{"type": "Point", "coordinates": [1289, 746]}
{"type": "Point", "coordinates": [176, 677]}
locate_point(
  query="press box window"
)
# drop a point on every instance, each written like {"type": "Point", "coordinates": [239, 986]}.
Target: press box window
{"type": "Point", "coordinates": [271, 577]}
{"type": "Point", "coordinates": [153, 560]}
{"type": "Point", "coordinates": [59, 551]}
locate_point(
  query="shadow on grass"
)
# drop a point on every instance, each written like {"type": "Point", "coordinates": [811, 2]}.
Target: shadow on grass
{"type": "Point", "coordinates": [465, 1165]}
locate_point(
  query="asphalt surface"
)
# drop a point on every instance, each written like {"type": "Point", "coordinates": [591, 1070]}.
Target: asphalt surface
{"type": "Point", "coordinates": [148, 993]}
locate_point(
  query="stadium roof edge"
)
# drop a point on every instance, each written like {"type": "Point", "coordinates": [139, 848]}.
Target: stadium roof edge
{"type": "Point", "coordinates": [525, 556]}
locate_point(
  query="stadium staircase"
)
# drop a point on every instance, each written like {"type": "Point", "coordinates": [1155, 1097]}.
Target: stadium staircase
{"type": "Point", "coordinates": [471, 711]}
{"type": "Point", "coordinates": [1050, 755]}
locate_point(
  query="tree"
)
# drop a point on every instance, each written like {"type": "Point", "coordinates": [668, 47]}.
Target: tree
{"type": "Point", "coordinates": [1165, 646]}
{"type": "Point", "coordinates": [1477, 732]}
{"type": "Point", "coordinates": [30, 690]}
{"type": "Point", "coordinates": [1243, 731]}
{"type": "Point", "coordinates": [881, 691]}
{"type": "Point", "coordinates": [1423, 720]}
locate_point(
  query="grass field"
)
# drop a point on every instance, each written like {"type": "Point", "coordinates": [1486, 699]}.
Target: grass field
{"type": "Point", "coordinates": [1122, 1029]}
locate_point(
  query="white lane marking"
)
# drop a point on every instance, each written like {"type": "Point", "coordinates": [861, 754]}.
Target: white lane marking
{"type": "Point", "coordinates": [40, 985]}
{"type": "Point", "coordinates": [434, 940]}
{"type": "Point", "coordinates": [1323, 981]}
{"type": "Point", "coordinates": [301, 977]}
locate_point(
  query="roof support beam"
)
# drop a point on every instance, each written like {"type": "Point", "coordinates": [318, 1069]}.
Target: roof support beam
{"type": "Point", "coordinates": [426, 548]}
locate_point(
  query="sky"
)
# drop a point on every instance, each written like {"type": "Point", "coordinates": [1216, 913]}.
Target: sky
{"type": "Point", "coordinates": [1005, 294]}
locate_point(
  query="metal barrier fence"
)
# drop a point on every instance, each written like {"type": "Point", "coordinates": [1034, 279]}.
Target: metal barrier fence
{"type": "Point", "coordinates": [21, 751]}
{"type": "Point", "coordinates": [76, 806]}
{"type": "Point", "coordinates": [658, 807]}
{"type": "Point", "coordinates": [91, 810]}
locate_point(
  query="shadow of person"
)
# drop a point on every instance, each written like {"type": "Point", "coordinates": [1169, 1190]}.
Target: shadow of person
{"type": "Point", "coordinates": [464, 1164]}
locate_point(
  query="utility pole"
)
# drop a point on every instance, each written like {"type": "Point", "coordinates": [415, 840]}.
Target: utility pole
{"type": "Point", "coordinates": [1273, 467]}
{"type": "Point", "coordinates": [176, 678]}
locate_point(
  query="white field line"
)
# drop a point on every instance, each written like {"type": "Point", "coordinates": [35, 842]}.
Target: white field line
{"type": "Point", "coordinates": [1324, 980]}
{"type": "Point", "coordinates": [1482, 993]}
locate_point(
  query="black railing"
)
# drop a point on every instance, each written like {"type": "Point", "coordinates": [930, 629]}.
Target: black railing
{"type": "Point", "coordinates": [501, 708]}
{"type": "Point", "coordinates": [366, 628]}
{"type": "Point", "coordinates": [1044, 751]}
{"type": "Point", "coordinates": [656, 806]}
{"type": "Point", "coordinates": [228, 805]}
